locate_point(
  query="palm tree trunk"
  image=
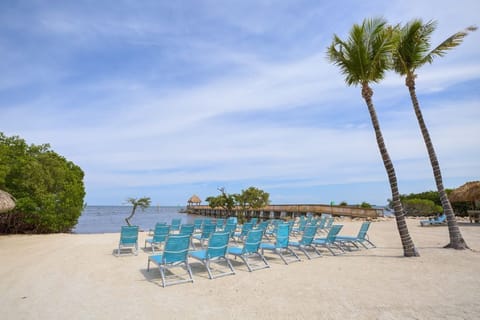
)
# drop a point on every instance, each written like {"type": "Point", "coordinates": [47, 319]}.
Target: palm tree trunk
{"type": "Point", "coordinates": [456, 239]}
{"type": "Point", "coordinates": [131, 215]}
{"type": "Point", "coordinates": [409, 249]}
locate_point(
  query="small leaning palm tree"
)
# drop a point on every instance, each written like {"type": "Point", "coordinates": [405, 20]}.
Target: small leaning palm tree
{"type": "Point", "coordinates": [412, 50]}
{"type": "Point", "coordinates": [364, 58]}
{"type": "Point", "coordinates": [143, 203]}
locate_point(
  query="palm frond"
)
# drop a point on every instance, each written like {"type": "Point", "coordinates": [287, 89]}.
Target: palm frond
{"type": "Point", "coordinates": [412, 45]}
{"type": "Point", "coordinates": [364, 56]}
{"type": "Point", "coordinates": [448, 44]}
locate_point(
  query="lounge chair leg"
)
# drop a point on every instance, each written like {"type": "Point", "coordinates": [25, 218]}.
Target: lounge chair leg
{"type": "Point", "coordinates": [207, 265]}
{"type": "Point", "coordinates": [371, 243]}
{"type": "Point", "coordinates": [281, 256]}
{"type": "Point", "coordinates": [356, 246]}
{"type": "Point", "coordinates": [189, 271]}
{"type": "Point", "coordinates": [294, 254]}
{"type": "Point", "coordinates": [305, 252]}
{"type": "Point", "coordinates": [331, 251]}
{"type": "Point", "coordinates": [363, 245]}
{"type": "Point", "coordinates": [265, 261]}
{"type": "Point", "coordinates": [245, 260]}
{"type": "Point", "coordinates": [230, 265]}
{"type": "Point", "coordinates": [316, 251]}
{"type": "Point", "coordinates": [162, 273]}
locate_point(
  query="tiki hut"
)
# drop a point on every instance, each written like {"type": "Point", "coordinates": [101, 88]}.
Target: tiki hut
{"type": "Point", "coordinates": [194, 200]}
{"type": "Point", "coordinates": [469, 192]}
{"type": "Point", "coordinates": [7, 201]}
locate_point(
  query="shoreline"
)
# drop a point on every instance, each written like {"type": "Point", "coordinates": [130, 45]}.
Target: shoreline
{"type": "Point", "coordinates": [78, 276]}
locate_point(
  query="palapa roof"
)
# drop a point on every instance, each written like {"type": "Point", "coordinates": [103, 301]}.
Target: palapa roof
{"type": "Point", "coordinates": [470, 191]}
{"type": "Point", "coordinates": [194, 199]}
{"type": "Point", "coordinates": [7, 201]}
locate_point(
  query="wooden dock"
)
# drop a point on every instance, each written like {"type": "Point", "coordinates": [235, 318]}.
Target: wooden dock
{"type": "Point", "coordinates": [288, 211]}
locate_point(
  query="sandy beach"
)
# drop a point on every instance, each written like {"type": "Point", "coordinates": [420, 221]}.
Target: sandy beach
{"type": "Point", "coordinates": [75, 276]}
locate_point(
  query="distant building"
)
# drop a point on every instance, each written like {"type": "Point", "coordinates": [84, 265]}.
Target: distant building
{"type": "Point", "coordinates": [194, 201]}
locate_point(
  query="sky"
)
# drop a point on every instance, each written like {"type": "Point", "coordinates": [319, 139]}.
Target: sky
{"type": "Point", "coordinates": [166, 99]}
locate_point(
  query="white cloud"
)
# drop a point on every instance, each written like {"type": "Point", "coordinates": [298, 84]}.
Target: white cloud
{"type": "Point", "coordinates": [188, 106]}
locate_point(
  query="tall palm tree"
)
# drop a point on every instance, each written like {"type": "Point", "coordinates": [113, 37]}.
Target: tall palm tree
{"type": "Point", "coordinates": [364, 58]}
{"type": "Point", "coordinates": [412, 51]}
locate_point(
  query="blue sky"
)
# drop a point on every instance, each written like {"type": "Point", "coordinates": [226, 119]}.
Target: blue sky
{"type": "Point", "coordinates": [172, 98]}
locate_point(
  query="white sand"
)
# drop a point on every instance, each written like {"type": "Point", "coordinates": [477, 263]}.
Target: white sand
{"type": "Point", "coordinates": [66, 276]}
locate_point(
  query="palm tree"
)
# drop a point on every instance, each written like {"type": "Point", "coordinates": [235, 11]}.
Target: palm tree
{"type": "Point", "coordinates": [143, 203]}
{"type": "Point", "coordinates": [412, 51]}
{"type": "Point", "coordinates": [364, 58]}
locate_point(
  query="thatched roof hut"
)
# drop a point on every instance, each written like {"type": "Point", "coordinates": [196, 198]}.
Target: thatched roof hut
{"type": "Point", "coordinates": [194, 200]}
{"type": "Point", "coordinates": [469, 192]}
{"type": "Point", "coordinates": [7, 201]}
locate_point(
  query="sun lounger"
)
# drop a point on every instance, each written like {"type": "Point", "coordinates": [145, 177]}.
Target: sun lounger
{"type": "Point", "coordinates": [306, 242]}
{"type": "Point", "coordinates": [280, 245]}
{"type": "Point", "coordinates": [440, 220]}
{"type": "Point", "coordinates": [159, 236]}
{"type": "Point", "coordinates": [175, 254]}
{"type": "Point", "coordinates": [128, 239]}
{"type": "Point", "coordinates": [215, 252]}
{"type": "Point", "coordinates": [207, 230]}
{"type": "Point", "coordinates": [361, 237]}
{"type": "Point", "coordinates": [251, 247]}
{"type": "Point", "coordinates": [329, 241]}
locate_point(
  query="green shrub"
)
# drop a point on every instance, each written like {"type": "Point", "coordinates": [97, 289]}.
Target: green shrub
{"type": "Point", "coordinates": [49, 189]}
{"type": "Point", "coordinates": [365, 205]}
{"type": "Point", "coordinates": [420, 207]}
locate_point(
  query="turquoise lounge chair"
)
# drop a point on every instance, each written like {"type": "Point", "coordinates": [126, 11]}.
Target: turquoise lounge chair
{"type": "Point", "coordinates": [160, 234]}
{"type": "Point", "coordinates": [329, 241]}
{"type": "Point", "coordinates": [207, 230]}
{"type": "Point", "coordinates": [152, 231]}
{"type": "Point", "coordinates": [306, 242]}
{"type": "Point", "coordinates": [246, 227]}
{"type": "Point", "coordinates": [216, 251]}
{"type": "Point", "coordinates": [128, 239]}
{"type": "Point", "coordinates": [263, 226]}
{"type": "Point", "coordinates": [361, 238]}
{"type": "Point", "coordinates": [220, 224]}
{"type": "Point", "coordinates": [300, 226]}
{"type": "Point", "coordinates": [440, 220]}
{"type": "Point", "coordinates": [251, 247]}
{"type": "Point", "coordinates": [198, 224]}
{"type": "Point", "coordinates": [230, 227]}
{"type": "Point", "coordinates": [272, 228]}
{"type": "Point", "coordinates": [175, 226]}
{"type": "Point", "coordinates": [186, 229]}
{"type": "Point", "coordinates": [321, 223]}
{"type": "Point", "coordinates": [281, 243]}
{"type": "Point", "coordinates": [328, 224]}
{"type": "Point", "coordinates": [175, 254]}
{"type": "Point", "coordinates": [232, 220]}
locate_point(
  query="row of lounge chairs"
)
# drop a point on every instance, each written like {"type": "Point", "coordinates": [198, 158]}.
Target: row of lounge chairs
{"type": "Point", "coordinates": [250, 248]}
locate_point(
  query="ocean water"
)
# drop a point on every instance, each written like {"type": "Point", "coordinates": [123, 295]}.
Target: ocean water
{"type": "Point", "coordinates": [106, 219]}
